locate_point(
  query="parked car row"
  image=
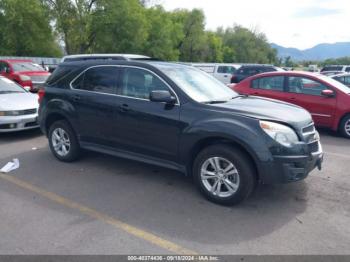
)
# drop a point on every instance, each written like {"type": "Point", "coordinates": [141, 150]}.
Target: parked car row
{"type": "Point", "coordinates": [29, 75]}
{"type": "Point", "coordinates": [326, 99]}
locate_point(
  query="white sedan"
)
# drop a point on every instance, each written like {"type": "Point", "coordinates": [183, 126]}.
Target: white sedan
{"type": "Point", "coordinates": [18, 107]}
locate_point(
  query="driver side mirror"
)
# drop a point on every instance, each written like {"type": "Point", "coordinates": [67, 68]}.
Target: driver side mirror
{"type": "Point", "coordinates": [328, 93]}
{"type": "Point", "coordinates": [162, 96]}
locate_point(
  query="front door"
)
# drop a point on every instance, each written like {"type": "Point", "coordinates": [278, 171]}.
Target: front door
{"type": "Point", "coordinates": [143, 126]}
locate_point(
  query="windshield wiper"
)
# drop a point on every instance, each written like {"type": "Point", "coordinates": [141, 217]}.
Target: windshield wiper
{"type": "Point", "coordinates": [215, 102]}
{"type": "Point", "coordinates": [10, 91]}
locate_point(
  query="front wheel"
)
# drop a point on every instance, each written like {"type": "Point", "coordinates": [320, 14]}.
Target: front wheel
{"type": "Point", "coordinates": [63, 142]}
{"type": "Point", "coordinates": [224, 174]}
{"type": "Point", "coordinates": [344, 127]}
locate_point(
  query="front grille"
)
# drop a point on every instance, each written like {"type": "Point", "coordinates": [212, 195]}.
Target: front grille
{"type": "Point", "coordinates": [313, 147]}
{"type": "Point", "coordinates": [310, 136]}
{"type": "Point", "coordinates": [309, 129]}
{"type": "Point", "coordinates": [39, 79]}
{"type": "Point", "coordinates": [28, 111]}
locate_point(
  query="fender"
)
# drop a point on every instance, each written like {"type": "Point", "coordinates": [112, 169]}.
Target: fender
{"type": "Point", "coordinates": [246, 134]}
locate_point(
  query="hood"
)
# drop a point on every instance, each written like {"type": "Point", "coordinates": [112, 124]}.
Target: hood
{"type": "Point", "coordinates": [18, 101]}
{"type": "Point", "coordinates": [268, 109]}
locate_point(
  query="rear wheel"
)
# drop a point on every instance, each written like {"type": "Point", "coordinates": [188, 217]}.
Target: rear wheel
{"type": "Point", "coordinates": [224, 175]}
{"type": "Point", "coordinates": [63, 142]}
{"type": "Point", "coordinates": [344, 127]}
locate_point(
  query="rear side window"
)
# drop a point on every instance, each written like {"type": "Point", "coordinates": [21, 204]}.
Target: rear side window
{"type": "Point", "coordinates": [275, 83]}
{"type": "Point", "coordinates": [226, 70]}
{"type": "Point", "coordinates": [347, 69]}
{"type": "Point", "coordinates": [101, 79]}
{"type": "Point", "coordinates": [307, 86]}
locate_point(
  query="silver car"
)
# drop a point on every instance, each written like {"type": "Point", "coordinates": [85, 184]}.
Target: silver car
{"type": "Point", "coordinates": [18, 107]}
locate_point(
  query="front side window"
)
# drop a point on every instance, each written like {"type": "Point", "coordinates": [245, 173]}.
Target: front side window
{"type": "Point", "coordinates": [102, 79]}
{"type": "Point", "coordinates": [275, 83]}
{"type": "Point", "coordinates": [139, 83]}
{"type": "Point", "coordinates": [307, 86]}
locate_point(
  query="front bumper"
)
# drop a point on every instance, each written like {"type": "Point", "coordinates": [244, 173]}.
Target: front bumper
{"type": "Point", "coordinates": [285, 169]}
{"type": "Point", "coordinates": [18, 123]}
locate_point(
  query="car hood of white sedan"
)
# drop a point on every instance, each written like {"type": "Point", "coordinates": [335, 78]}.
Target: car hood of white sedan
{"type": "Point", "coordinates": [18, 101]}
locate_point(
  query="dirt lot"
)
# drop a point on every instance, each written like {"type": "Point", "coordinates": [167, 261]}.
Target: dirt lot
{"type": "Point", "coordinates": [107, 205]}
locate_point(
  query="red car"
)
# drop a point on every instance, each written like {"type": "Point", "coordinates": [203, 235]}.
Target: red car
{"type": "Point", "coordinates": [29, 75]}
{"type": "Point", "coordinates": [326, 99]}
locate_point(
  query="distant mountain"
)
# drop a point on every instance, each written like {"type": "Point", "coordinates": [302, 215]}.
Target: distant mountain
{"type": "Point", "coordinates": [318, 52]}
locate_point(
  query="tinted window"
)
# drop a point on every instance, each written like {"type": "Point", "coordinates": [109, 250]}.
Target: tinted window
{"type": "Point", "coordinates": [302, 85]}
{"type": "Point", "coordinates": [270, 83]}
{"type": "Point", "coordinates": [98, 79]}
{"type": "Point", "coordinates": [347, 69]}
{"type": "Point", "coordinates": [3, 67]}
{"type": "Point", "coordinates": [139, 83]}
{"type": "Point", "coordinates": [347, 80]}
{"type": "Point", "coordinates": [26, 66]}
{"type": "Point", "coordinates": [226, 69]}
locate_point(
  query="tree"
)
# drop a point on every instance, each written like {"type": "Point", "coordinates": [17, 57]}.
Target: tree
{"type": "Point", "coordinates": [73, 22]}
{"type": "Point", "coordinates": [246, 46]}
{"type": "Point", "coordinates": [26, 29]}
{"type": "Point", "coordinates": [163, 35]}
{"type": "Point", "coordinates": [193, 41]}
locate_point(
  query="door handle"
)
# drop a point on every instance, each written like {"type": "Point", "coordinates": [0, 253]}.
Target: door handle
{"type": "Point", "coordinates": [293, 98]}
{"type": "Point", "coordinates": [76, 98]}
{"type": "Point", "coordinates": [124, 108]}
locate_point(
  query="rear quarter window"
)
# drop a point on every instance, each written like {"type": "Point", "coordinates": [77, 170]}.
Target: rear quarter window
{"type": "Point", "coordinates": [58, 74]}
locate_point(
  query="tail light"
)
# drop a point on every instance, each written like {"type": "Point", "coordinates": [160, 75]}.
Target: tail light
{"type": "Point", "coordinates": [41, 94]}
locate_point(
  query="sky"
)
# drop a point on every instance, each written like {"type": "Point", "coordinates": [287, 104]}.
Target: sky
{"type": "Point", "coordinates": [291, 23]}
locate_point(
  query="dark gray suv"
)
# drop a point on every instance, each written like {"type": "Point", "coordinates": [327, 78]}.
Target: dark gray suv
{"type": "Point", "coordinates": [181, 118]}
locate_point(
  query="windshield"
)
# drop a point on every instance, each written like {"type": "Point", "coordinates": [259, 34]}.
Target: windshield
{"type": "Point", "coordinates": [7, 86]}
{"type": "Point", "coordinates": [200, 86]}
{"type": "Point", "coordinates": [335, 83]}
{"type": "Point", "coordinates": [26, 66]}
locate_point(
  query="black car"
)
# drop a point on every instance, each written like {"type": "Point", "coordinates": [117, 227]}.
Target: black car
{"type": "Point", "coordinates": [178, 117]}
{"type": "Point", "coordinates": [246, 71]}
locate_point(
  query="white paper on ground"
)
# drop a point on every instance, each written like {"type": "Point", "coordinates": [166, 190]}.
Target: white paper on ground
{"type": "Point", "coordinates": [10, 166]}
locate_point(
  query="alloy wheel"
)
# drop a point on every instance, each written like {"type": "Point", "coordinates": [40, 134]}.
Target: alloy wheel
{"type": "Point", "coordinates": [220, 177]}
{"type": "Point", "coordinates": [60, 142]}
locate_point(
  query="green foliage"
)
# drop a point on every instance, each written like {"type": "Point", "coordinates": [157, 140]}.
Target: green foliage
{"type": "Point", "coordinates": [124, 26]}
{"type": "Point", "coordinates": [246, 46]}
{"type": "Point", "coordinates": [26, 30]}
{"type": "Point", "coordinates": [337, 61]}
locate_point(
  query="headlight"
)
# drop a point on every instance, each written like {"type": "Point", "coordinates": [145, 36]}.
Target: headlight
{"type": "Point", "coordinates": [24, 78]}
{"type": "Point", "coordinates": [280, 133]}
{"type": "Point", "coordinates": [10, 113]}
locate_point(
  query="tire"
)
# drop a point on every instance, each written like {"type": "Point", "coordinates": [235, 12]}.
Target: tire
{"type": "Point", "coordinates": [242, 175]}
{"type": "Point", "coordinates": [72, 149]}
{"type": "Point", "coordinates": [344, 127]}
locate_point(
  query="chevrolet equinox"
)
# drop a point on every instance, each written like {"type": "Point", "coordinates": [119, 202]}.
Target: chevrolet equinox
{"type": "Point", "coordinates": [178, 117]}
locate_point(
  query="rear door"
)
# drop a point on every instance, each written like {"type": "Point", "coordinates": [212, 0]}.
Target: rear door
{"type": "Point", "coordinates": [94, 98]}
{"type": "Point", "coordinates": [306, 92]}
{"type": "Point", "coordinates": [270, 86]}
